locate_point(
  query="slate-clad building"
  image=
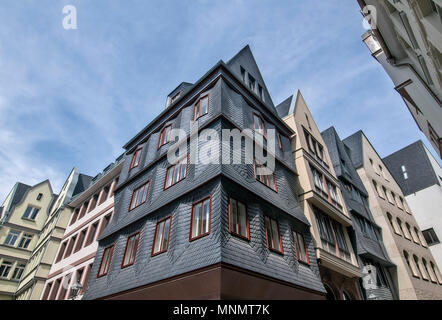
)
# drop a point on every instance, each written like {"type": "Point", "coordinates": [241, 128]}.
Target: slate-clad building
{"type": "Point", "coordinates": [378, 269]}
{"type": "Point", "coordinates": [188, 230]}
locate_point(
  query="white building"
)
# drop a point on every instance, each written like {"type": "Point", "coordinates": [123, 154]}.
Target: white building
{"type": "Point", "coordinates": [407, 41]}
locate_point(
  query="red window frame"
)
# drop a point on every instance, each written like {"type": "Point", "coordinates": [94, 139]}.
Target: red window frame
{"type": "Point", "coordinates": [197, 106]}
{"type": "Point", "coordinates": [201, 235]}
{"type": "Point", "coordinates": [236, 232]}
{"type": "Point", "coordinates": [108, 261]}
{"type": "Point", "coordinates": [136, 158]}
{"type": "Point", "coordinates": [264, 130]}
{"type": "Point", "coordinates": [162, 139]}
{"type": "Point", "coordinates": [138, 194]}
{"type": "Point", "coordinates": [175, 97]}
{"type": "Point", "coordinates": [261, 179]}
{"type": "Point", "coordinates": [173, 167]}
{"type": "Point", "coordinates": [137, 236]}
{"type": "Point", "coordinates": [281, 251]}
{"type": "Point", "coordinates": [153, 253]}
{"type": "Point", "coordinates": [295, 234]}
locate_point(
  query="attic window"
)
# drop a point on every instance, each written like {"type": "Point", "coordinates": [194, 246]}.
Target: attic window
{"type": "Point", "coordinates": [243, 74]}
{"type": "Point", "coordinates": [175, 97]}
{"type": "Point", "coordinates": [260, 92]}
{"type": "Point", "coordinates": [40, 195]}
{"type": "Point", "coordinates": [252, 83]}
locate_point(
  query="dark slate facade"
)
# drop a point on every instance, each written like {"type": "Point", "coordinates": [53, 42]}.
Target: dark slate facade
{"type": "Point", "coordinates": [420, 173]}
{"type": "Point", "coordinates": [369, 247]}
{"type": "Point", "coordinates": [231, 105]}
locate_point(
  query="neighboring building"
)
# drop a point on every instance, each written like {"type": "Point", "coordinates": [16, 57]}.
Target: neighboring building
{"type": "Point", "coordinates": [24, 213]}
{"type": "Point", "coordinates": [420, 177]}
{"type": "Point", "coordinates": [322, 202]}
{"type": "Point", "coordinates": [407, 42]}
{"type": "Point", "coordinates": [418, 276]}
{"type": "Point", "coordinates": [38, 266]}
{"type": "Point", "coordinates": [92, 211]}
{"type": "Point", "coordinates": [378, 270]}
{"type": "Point", "coordinates": [189, 230]}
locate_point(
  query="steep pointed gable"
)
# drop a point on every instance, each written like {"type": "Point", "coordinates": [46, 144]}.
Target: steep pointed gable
{"type": "Point", "coordinates": [245, 59]}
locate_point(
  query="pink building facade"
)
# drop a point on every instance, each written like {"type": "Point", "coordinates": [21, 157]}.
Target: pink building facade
{"type": "Point", "coordinates": [92, 212]}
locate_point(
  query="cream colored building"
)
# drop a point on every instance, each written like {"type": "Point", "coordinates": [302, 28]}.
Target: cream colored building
{"type": "Point", "coordinates": [407, 41]}
{"type": "Point", "coordinates": [418, 276]}
{"type": "Point", "coordinates": [322, 202]}
{"type": "Point", "coordinates": [43, 255]}
{"type": "Point", "coordinates": [24, 214]}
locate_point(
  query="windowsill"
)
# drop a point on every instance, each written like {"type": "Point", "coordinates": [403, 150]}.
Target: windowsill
{"type": "Point", "coordinates": [199, 237]}
{"type": "Point", "coordinates": [130, 169]}
{"type": "Point", "coordinates": [304, 263]}
{"type": "Point", "coordinates": [276, 251]}
{"type": "Point", "coordinates": [165, 188]}
{"type": "Point", "coordinates": [101, 276]}
{"type": "Point", "coordinates": [159, 147]}
{"type": "Point", "coordinates": [240, 236]}
{"type": "Point", "coordinates": [137, 206]}
{"type": "Point", "coordinates": [276, 191]}
{"type": "Point", "coordinates": [127, 265]}
{"type": "Point", "coordinates": [196, 119]}
{"type": "Point", "coordinates": [157, 253]}
{"type": "Point", "coordinates": [27, 219]}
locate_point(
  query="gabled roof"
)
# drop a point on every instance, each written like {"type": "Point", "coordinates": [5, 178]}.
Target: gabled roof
{"type": "Point", "coordinates": [244, 58]}
{"type": "Point", "coordinates": [354, 143]}
{"type": "Point", "coordinates": [283, 108]}
{"type": "Point", "coordinates": [420, 172]}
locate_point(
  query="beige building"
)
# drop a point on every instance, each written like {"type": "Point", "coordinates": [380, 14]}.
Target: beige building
{"type": "Point", "coordinates": [322, 202]}
{"type": "Point", "coordinates": [23, 216]}
{"type": "Point", "coordinates": [407, 41]}
{"type": "Point", "coordinates": [43, 254]}
{"type": "Point", "coordinates": [418, 276]}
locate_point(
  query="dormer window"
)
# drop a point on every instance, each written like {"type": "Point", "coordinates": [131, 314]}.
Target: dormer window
{"type": "Point", "coordinates": [164, 136]}
{"type": "Point", "coordinates": [260, 92]}
{"type": "Point", "coordinates": [201, 107]}
{"type": "Point", "coordinates": [252, 83]}
{"type": "Point", "coordinates": [175, 97]}
{"type": "Point", "coordinates": [136, 158]}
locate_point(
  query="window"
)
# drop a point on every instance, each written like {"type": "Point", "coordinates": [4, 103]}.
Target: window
{"type": "Point", "coordinates": [200, 220]}
{"type": "Point", "coordinates": [404, 172]}
{"type": "Point", "coordinates": [30, 213]}
{"type": "Point", "coordinates": [436, 272]}
{"type": "Point", "coordinates": [411, 266]}
{"type": "Point", "coordinates": [300, 247]}
{"type": "Point", "coordinates": [401, 227]}
{"type": "Point", "coordinates": [419, 267]}
{"type": "Point", "coordinates": [308, 120]}
{"type": "Point", "coordinates": [175, 97]}
{"type": "Point", "coordinates": [381, 170]}
{"type": "Point", "coordinates": [83, 209]}
{"type": "Point", "coordinates": [105, 261]}
{"type": "Point", "coordinates": [93, 203]}
{"type": "Point", "coordinates": [176, 173]}
{"type": "Point", "coordinates": [332, 236]}
{"type": "Point", "coordinates": [139, 196]}
{"type": "Point", "coordinates": [390, 196]}
{"type": "Point", "coordinates": [104, 194]}
{"type": "Point", "coordinates": [39, 196]}
{"type": "Point", "coordinates": [74, 216]}
{"type": "Point", "coordinates": [258, 125]}
{"type": "Point", "coordinates": [269, 179]}
{"type": "Point", "coordinates": [273, 235]}
{"type": "Point", "coordinates": [319, 182]}
{"type": "Point", "coordinates": [315, 147]}
{"type": "Point", "coordinates": [136, 158]}
{"type": "Point", "coordinates": [260, 92]}
{"type": "Point", "coordinates": [252, 83]}
{"type": "Point", "coordinates": [61, 252]}
{"type": "Point", "coordinates": [92, 232]}
{"type": "Point", "coordinates": [11, 238]}
{"type": "Point", "coordinates": [25, 241]}
{"type": "Point", "coordinates": [385, 193]}
{"type": "Point", "coordinates": [164, 136]}
{"type": "Point", "coordinates": [430, 274]}
{"type": "Point", "coordinates": [243, 74]}
{"type": "Point", "coordinates": [5, 267]}
{"type": "Point", "coordinates": [430, 237]}
{"type": "Point", "coordinates": [238, 219]}
{"type": "Point", "coordinates": [80, 240]}
{"type": "Point", "coordinates": [201, 107]}
{"type": "Point", "coordinates": [131, 250]}
{"type": "Point", "coordinates": [47, 290]}
{"type": "Point", "coordinates": [333, 193]}
{"type": "Point", "coordinates": [18, 272]}
{"type": "Point", "coordinates": [70, 246]}
{"type": "Point", "coordinates": [161, 238]}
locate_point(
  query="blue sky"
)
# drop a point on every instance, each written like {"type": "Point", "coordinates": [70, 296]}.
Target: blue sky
{"type": "Point", "coordinates": [74, 97]}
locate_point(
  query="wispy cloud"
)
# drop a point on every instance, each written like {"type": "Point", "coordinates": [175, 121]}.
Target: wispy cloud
{"type": "Point", "coordinates": [73, 98]}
